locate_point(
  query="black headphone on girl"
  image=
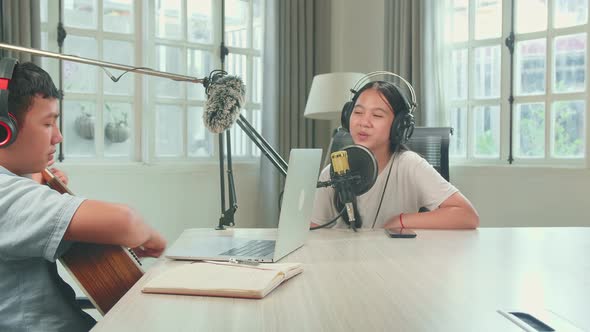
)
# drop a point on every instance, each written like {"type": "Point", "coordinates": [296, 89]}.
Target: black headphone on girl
{"type": "Point", "coordinates": [403, 124]}
{"type": "Point", "coordinates": [8, 125]}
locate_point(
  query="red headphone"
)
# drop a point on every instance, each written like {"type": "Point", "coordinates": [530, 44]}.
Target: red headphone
{"type": "Point", "coordinates": [8, 125]}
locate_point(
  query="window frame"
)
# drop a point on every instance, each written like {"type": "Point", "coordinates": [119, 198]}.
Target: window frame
{"type": "Point", "coordinates": [142, 98]}
{"type": "Point", "coordinates": [548, 97]}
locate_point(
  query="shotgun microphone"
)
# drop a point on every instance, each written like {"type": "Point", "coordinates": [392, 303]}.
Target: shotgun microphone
{"type": "Point", "coordinates": [225, 98]}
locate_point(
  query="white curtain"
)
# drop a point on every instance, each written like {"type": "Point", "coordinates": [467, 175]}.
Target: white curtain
{"type": "Point", "coordinates": [20, 25]}
{"type": "Point", "coordinates": [435, 63]}
{"type": "Point", "coordinates": [294, 51]}
{"type": "Point", "coordinates": [269, 176]}
{"type": "Point", "coordinates": [403, 44]}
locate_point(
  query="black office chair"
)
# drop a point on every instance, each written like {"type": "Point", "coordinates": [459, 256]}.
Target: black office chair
{"type": "Point", "coordinates": [340, 138]}
{"type": "Point", "coordinates": [432, 143]}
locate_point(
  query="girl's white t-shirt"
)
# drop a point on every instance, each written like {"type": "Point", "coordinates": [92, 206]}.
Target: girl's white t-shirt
{"type": "Point", "coordinates": [413, 184]}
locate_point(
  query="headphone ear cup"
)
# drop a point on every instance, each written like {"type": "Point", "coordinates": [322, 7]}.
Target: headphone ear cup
{"type": "Point", "coordinates": [394, 134]}
{"type": "Point", "coordinates": [346, 113]}
{"type": "Point", "coordinates": [410, 124]}
{"type": "Point", "coordinates": [401, 129]}
{"type": "Point", "coordinates": [8, 124]}
{"type": "Point", "coordinates": [8, 130]}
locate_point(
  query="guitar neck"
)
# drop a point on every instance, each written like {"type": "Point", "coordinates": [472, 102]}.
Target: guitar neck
{"type": "Point", "coordinates": [54, 183]}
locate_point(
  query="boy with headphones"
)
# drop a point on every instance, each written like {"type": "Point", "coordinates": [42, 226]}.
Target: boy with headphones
{"type": "Point", "coordinates": [380, 118]}
{"type": "Point", "coordinates": [37, 224]}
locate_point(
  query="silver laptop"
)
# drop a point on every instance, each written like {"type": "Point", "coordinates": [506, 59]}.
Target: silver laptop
{"type": "Point", "coordinates": [297, 204]}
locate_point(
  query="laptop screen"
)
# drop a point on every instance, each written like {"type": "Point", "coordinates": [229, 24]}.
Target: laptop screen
{"type": "Point", "coordinates": [298, 198]}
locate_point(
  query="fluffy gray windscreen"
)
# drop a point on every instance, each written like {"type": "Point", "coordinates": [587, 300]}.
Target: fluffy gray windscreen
{"type": "Point", "coordinates": [222, 108]}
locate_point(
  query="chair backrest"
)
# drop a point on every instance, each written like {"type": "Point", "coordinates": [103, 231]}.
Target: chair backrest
{"type": "Point", "coordinates": [340, 139]}
{"type": "Point", "coordinates": [432, 143]}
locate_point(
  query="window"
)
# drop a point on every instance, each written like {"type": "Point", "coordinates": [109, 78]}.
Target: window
{"type": "Point", "coordinates": [548, 80]}
{"type": "Point", "coordinates": [243, 37]}
{"type": "Point", "coordinates": [183, 43]}
{"type": "Point", "coordinates": [143, 117]}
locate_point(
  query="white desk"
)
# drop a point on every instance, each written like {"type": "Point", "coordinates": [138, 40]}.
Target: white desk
{"type": "Point", "coordinates": [440, 281]}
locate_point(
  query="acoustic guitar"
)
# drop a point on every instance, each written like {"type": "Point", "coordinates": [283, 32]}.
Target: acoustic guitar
{"type": "Point", "coordinates": [104, 272]}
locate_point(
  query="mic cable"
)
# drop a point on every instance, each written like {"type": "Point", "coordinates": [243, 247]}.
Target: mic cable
{"type": "Point", "coordinates": [330, 222]}
{"type": "Point", "coordinates": [116, 79]}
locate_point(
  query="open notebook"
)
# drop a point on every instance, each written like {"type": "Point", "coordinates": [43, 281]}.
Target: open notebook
{"type": "Point", "coordinates": [222, 279]}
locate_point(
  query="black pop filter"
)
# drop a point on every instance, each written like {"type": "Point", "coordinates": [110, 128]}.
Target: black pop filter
{"type": "Point", "coordinates": [362, 163]}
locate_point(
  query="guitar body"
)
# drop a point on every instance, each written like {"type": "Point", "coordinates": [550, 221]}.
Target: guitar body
{"type": "Point", "coordinates": [104, 272]}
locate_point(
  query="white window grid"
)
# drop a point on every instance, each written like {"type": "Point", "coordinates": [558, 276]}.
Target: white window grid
{"type": "Point", "coordinates": [242, 147]}
{"type": "Point", "coordinates": [469, 102]}
{"type": "Point", "coordinates": [99, 98]}
{"type": "Point", "coordinates": [143, 97]}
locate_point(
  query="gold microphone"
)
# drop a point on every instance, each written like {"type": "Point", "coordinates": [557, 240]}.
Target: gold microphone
{"type": "Point", "coordinates": [340, 162]}
{"type": "Point", "coordinates": [341, 168]}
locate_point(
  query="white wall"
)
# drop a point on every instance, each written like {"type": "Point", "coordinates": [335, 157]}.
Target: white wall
{"type": "Point", "coordinates": [525, 196]}
{"type": "Point", "coordinates": [170, 198]}
{"type": "Point", "coordinates": [357, 35]}
{"type": "Point", "coordinates": [503, 195]}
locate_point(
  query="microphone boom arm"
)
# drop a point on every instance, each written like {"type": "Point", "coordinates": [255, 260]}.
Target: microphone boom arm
{"type": "Point", "coordinates": [263, 145]}
{"type": "Point", "coordinates": [74, 58]}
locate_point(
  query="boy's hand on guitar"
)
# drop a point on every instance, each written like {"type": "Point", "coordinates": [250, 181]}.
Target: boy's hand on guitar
{"type": "Point", "coordinates": [37, 177]}
{"type": "Point", "coordinates": [60, 175]}
{"type": "Point", "coordinates": [153, 247]}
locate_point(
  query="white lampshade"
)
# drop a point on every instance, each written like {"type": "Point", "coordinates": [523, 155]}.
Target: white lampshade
{"type": "Point", "coordinates": [328, 94]}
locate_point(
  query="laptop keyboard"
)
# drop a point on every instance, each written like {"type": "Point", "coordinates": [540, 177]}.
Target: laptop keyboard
{"type": "Point", "coordinates": [255, 248]}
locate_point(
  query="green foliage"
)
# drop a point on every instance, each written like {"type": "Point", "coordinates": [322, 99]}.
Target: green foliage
{"type": "Point", "coordinates": [532, 132]}
{"type": "Point", "coordinates": [486, 144]}
{"type": "Point", "coordinates": [567, 135]}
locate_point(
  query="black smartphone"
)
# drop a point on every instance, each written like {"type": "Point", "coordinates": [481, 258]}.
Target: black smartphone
{"type": "Point", "coordinates": [400, 233]}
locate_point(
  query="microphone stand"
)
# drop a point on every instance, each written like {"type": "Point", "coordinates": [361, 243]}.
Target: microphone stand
{"type": "Point", "coordinates": [61, 36]}
{"type": "Point", "coordinates": [227, 216]}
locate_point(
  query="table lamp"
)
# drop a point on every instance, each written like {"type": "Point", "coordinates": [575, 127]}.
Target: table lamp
{"type": "Point", "coordinates": [328, 94]}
